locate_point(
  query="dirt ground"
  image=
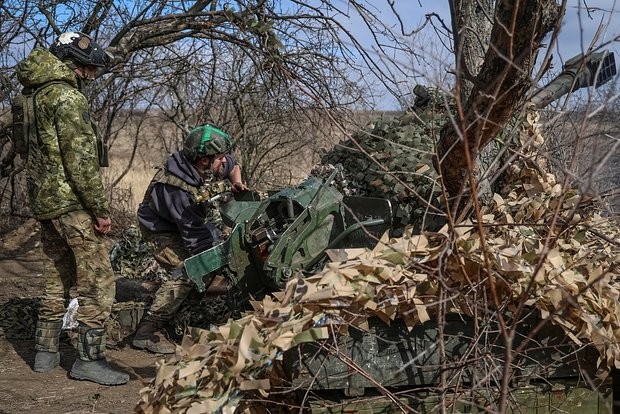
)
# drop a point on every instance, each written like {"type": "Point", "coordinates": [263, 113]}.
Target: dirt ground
{"type": "Point", "coordinates": [25, 391]}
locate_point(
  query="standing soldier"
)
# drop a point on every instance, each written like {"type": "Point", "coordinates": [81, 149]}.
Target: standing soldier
{"type": "Point", "coordinates": [67, 197]}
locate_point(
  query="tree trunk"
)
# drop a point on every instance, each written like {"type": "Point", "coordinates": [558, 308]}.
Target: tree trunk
{"type": "Point", "coordinates": [472, 22]}
{"type": "Point", "coordinates": [499, 87]}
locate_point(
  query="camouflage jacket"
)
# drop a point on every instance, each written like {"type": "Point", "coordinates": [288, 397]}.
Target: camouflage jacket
{"type": "Point", "coordinates": [63, 165]}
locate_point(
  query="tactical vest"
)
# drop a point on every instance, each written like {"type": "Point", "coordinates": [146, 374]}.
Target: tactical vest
{"type": "Point", "coordinates": [25, 131]}
{"type": "Point", "coordinates": [164, 177]}
{"type": "Point", "coordinates": [199, 194]}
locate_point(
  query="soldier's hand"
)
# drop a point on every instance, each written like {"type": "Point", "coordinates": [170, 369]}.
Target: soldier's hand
{"type": "Point", "coordinates": [239, 187]}
{"type": "Point", "coordinates": [103, 225]}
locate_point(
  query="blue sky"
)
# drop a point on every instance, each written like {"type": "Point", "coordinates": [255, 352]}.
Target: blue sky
{"type": "Point", "coordinates": [578, 28]}
{"type": "Point", "coordinates": [577, 34]}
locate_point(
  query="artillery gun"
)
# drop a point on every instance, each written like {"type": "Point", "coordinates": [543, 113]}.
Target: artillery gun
{"type": "Point", "coordinates": [290, 232]}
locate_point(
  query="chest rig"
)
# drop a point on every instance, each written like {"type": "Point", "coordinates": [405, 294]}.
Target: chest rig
{"type": "Point", "coordinates": [211, 193]}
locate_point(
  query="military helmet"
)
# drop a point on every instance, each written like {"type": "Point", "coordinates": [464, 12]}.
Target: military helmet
{"type": "Point", "coordinates": [206, 140]}
{"type": "Point", "coordinates": [81, 49]}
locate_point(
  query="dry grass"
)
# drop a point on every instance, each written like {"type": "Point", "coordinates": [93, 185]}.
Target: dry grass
{"type": "Point", "coordinates": [136, 147]}
{"type": "Point", "coordinates": [130, 190]}
{"type": "Point", "coordinates": [131, 169]}
{"type": "Point", "coordinates": [586, 152]}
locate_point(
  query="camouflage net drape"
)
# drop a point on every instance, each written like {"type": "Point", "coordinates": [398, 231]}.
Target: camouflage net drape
{"type": "Point", "coordinates": [538, 244]}
{"type": "Point", "coordinates": [392, 158]}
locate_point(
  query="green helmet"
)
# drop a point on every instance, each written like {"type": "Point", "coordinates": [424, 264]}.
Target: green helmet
{"type": "Point", "coordinates": [206, 140]}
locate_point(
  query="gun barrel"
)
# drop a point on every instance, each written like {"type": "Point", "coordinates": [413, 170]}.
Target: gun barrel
{"type": "Point", "coordinates": [594, 69]}
{"type": "Point", "coordinates": [557, 88]}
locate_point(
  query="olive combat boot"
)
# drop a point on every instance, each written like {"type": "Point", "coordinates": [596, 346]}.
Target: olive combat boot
{"type": "Point", "coordinates": [46, 341]}
{"type": "Point", "coordinates": [91, 364]}
{"type": "Point", "coordinates": [149, 336]}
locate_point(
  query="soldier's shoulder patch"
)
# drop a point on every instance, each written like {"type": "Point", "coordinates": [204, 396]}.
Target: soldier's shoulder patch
{"type": "Point", "coordinates": [86, 117]}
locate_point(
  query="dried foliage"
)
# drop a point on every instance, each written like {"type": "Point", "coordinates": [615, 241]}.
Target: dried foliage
{"type": "Point", "coordinates": [538, 245]}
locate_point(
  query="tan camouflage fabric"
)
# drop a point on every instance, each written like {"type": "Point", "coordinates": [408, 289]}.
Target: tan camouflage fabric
{"type": "Point", "coordinates": [167, 248]}
{"type": "Point", "coordinates": [75, 255]}
{"type": "Point", "coordinates": [63, 165]}
{"type": "Point", "coordinates": [168, 299]}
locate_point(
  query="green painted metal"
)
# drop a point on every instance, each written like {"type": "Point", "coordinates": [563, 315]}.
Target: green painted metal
{"type": "Point", "coordinates": [200, 268]}
{"type": "Point", "coordinates": [288, 232]}
{"type": "Point", "coordinates": [594, 69]}
{"type": "Point", "coordinates": [241, 209]}
{"type": "Point", "coordinates": [399, 359]}
{"type": "Point", "coordinates": [562, 396]}
{"type": "Point", "coordinates": [319, 219]}
{"type": "Point", "coordinates": [233, 255]}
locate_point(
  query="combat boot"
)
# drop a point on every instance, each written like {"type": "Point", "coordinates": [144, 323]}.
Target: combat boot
{"type": "Point", "coordinates": [46, 341]}
{"type": "Point", "coordinates": [149, 336]}
{"type": "Point", "coordinates": [91, 364]}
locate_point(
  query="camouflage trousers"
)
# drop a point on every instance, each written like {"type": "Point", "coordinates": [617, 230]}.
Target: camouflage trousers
{"type": "Point", "coordinates": [169, 252]}
{"type": "Point", "coordinates": [74, 255]}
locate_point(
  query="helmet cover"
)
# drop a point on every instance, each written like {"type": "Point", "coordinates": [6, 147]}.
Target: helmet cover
{"type": "Point", "coordinates": [206, 140]}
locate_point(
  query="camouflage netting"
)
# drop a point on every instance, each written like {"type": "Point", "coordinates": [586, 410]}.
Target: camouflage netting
{"type": "Point", "coordinates": [536, 244]}
{"type": "Point", "coordinates": [132, 257]}
{"type": "Point", "coordinates": [18, 317]}
{"type": "Point", "coordinates": [392, 158]}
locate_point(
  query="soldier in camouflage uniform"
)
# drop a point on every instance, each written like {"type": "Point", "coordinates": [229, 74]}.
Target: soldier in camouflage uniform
{"type": "Point", "coordinates": [171, 217]}
{"type": "Point", "coordinates": [68, 198]}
